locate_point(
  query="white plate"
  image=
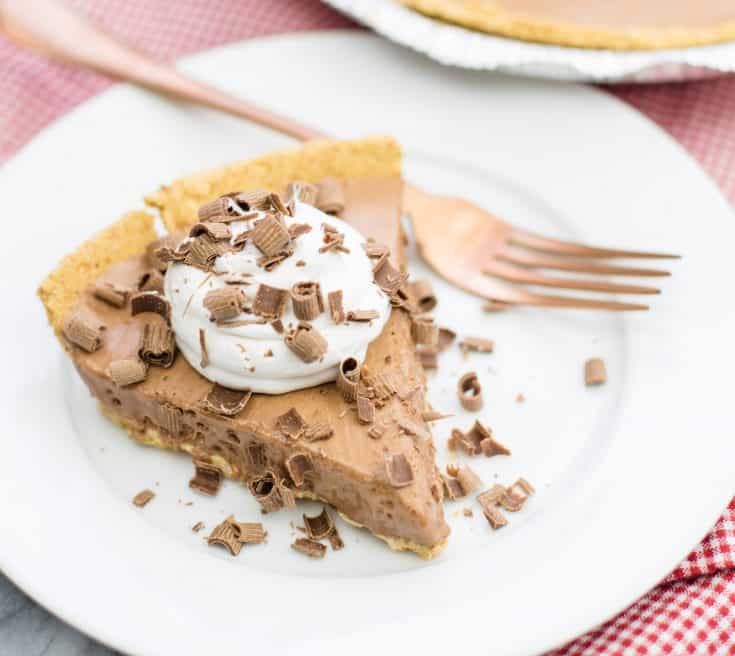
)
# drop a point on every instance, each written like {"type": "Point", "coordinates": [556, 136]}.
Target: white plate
{"type": "Point", "coordinates": [458, 46]}
{"type": "Point", "coordinates": [630, 475]}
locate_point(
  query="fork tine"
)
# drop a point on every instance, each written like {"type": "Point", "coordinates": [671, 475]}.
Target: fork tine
{"type": "Point", "coordinates": [566, 263]}
{"type": "Point", "coordinates": [541, 243]}
{"type": "Point", "coordinates": [502, 294]}
{"type": "Point", "coordinates": [519, 274]}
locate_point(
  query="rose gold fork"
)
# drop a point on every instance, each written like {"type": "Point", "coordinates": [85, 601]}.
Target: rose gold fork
{"type": "Point", "coordinates": [473, 250]}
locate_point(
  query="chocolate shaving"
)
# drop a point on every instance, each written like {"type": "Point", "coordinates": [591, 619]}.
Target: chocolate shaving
{"type": "Point", "coordinates": [433, 415]}
{"type": "Point", "coordinates": [238, 243]}
{"type": "Point", "coordinates": [256, 456]}
{"type": "Point", "coordinates": [335, 540]}
{"type": "Point", "coordinates": [295, 230]}
{"type": "Point", "coordinates": [225, 303]}
{"type": "Point", "coordinates": [204, 360]}
{"type": "Point", "coordinates": [277, 325]}
{"type": "Point", "coordinates": [309, 547]}
{"type": "Point", "coordinates": [266, 491]}
{"type": "Point", "coordinates": [318, 431]}
{"type": "Point", "coordinates": [306, 342]}
{"type": "Point", "coordinates": [495, 518]}
{"type": "Point", "coordinates": [302, 192]}
{"type": "Point", "coordinates": [319, 526]}
{"type": "Point", "coordinates": [446, 337]}
{"type": "Point", "coordinates": [377, 431]}
{"type": "Point", "coordinates": [158, 346]}
{"type": "Point", "coordinates": [333, 240]}
{"type": "Point", "coordinates": [452, 488]}
{"type": "Point", "coordinates": [428, 358]}
{"type": "Point", "coordinates": [143, 497]}
{"type": "Point", "coordinates": [225, 534]}
{"type": "Point", "coordinates": [127, 372]}
{"type": "Point", "coordinates": [387, 277]}
{"type": "Point", "coordinates": [84, 329]}
{"type": "Point", "coordinates": [336, 310]}
{"type": "Point", "coordinates": [250, 532]}
{"type": "Point", "coordinates": [150, 302]}
{"type": "Point", "coordinates": [424, 331]}
{"type": "Point", "coordinates": [525, 486]}
{"type": "Point", "coordinates": [492, 496]}
{"type": "Point", "coordinates": [270, 302]}
{"type": "Point", "coordinates": [287, 496]}
{"type": "Point", "coordinates": [348, 376]}
{"type": "Point", "coordinates": [490, 447]}
{"type": "Point", "coordinates": [217, 231]}
{"type": "Point", "coordinates": [270, 262]}
{"type": "Point", "coordinates": [204, 250]}
{"type": "Point", "coordinates": [399, 470]}
{"type": "Point", "coordinates": [169, 418]}
{"type": "Point", "coordinates": [362, 316]}
{"type": "Point", "coordinates": [291, 423]}
{"type": "Point", "coordinates": [307, 301]}
{"type": "Point", "coordinates": [375, 251]}
{"type": "Point", "coordinates": [219, 210]}
{"type": "Point", "coordinates": [476, 345]}
{"type": "Point", "coordinates": [423, 294]}
{"type": "Point", "coordinates": [197, 527]}
{"type": "Point", "coordinates": [225, 401]}
{"type": "Point", "coordinates": [365, 410]}
{"type": "Point", "coordinates": [469, 392]}
{"type": "Point", "coordinates": [169, 243]}
{"type": "Point", "coordinates": [299, 466]}
{"type": "Point", "coordinates": [207, 478]}
{"type": "Point", "coordinates": [243, 322]}
{"type": "Point", "coordinates": [330, 196]}
{"type": "Point", "coordinates": [468, 479]}
{"type": "Point", "coordinates": [150, 281]}
{"type": "Point", "coordinates": [111, 293]}
{"type": "Point", "coordinates": [270, 236]}
{"type": "Point", "coordinates": [594, 372]}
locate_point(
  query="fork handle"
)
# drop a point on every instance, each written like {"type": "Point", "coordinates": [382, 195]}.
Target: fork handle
{"type": "Point", "coordinates": [54, 30]}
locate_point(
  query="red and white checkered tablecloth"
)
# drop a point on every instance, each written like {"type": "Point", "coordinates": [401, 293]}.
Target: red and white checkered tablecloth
{"type": "Point", "coordinates": [693, 610]}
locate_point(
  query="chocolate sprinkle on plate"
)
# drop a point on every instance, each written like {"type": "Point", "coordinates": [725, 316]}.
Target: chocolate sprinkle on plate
{"type": "Point", "coordinates": [143, 497]}
{"type": "Point", "coordinates": [309, 547]}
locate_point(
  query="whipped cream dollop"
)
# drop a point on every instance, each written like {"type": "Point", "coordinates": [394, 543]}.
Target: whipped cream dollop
{"type": "Point", "coordinates": [255, 356]}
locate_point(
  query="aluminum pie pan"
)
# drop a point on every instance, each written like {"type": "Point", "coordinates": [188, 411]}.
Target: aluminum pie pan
{"type": "Point", "coordinates": [457, 46]}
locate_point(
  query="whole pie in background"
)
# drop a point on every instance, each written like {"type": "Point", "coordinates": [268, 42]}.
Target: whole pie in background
{"type": "Point", "coordinates": [611, 24]}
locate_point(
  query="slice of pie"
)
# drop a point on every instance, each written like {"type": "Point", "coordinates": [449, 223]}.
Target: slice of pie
{"type": "Point", "coordinates": [127, 302]}
{"type": "Point", "coordinates": [619, 24]}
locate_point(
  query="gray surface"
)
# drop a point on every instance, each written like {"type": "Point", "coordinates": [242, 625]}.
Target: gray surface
{"type": "Point", "coordinates": [26, 629]}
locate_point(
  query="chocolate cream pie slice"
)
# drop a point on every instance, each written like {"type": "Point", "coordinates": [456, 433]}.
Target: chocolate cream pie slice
{"type": "Point", "coordinates": [268, 335]}
{"type": "Point", "coordinates": [617, 25]}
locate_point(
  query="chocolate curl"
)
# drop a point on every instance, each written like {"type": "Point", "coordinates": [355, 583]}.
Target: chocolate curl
{"type": "Point", "coordinates": [149, 302]}
{"type": "Point", "coordinates": [169, 243]}
{"type": "Point", "coordinates": [348, 377]}
{"type": "Point", "coordinates": [302, 192]}
{"type": "Point", "coordinates": [306, 342]}
{"type": "Point", "coordinates": [468, 479]}
{"type": "Point", "coordinates": [309, 547]}
{"type": "Point", "coordinates": [150, 281]}
{"type": "Point", "coordinates": [219, 209]}
{"type": "Point", "coordinates": [423, 293]}
{"type": "Point", "coordinates": [307, 300]}
{"type": "Point", "coordinates": [469, 392]}
{"type": "Point", "coordinates": [266, 491]}
{"type": "Point", "coordinates": [476, 345]}
{"type": "Point", "coordinates": [204, 250]}
{"type": "Point", "coordinates": [330, 196]}
{"type": "Point", "coordinates": [111, 293]}
{"type": "Point", "coordinates": [424, 331]}
{"type": "Point", "coordinates": [256, 199]}
{"type": "Point", "coordinates": [298, 467]}
{"type": "Point", "coordinates": [270, 236]}
{"type": "Point", "coordinates": [216, 231]}
{"type": "Point", "coordinates": [127, 372]}
{"type": "Point", "coordinates": [336, 309]}
{"type": "Point", "coordinates": [85, 330]}
{"type": "Point", "coordinates": [225, 535]}
{"type": "Point", "coordinates": [207, 478]}
{"type": "Point", "coordinates": [224, 304]}
{"type": "Point", "coordinates": [157, 346]}
{"type": "Point", "coordinates": [318, 526]}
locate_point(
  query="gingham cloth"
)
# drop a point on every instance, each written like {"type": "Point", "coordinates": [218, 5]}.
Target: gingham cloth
{"type": "Point", "coordinates": [693, 610]}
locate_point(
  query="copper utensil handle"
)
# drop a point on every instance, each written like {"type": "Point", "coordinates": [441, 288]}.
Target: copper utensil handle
{"type": "Point", "coordinates": [51, 28]}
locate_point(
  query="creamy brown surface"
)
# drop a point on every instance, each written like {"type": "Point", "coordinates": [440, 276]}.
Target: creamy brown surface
{"type": "Point", "coordinates": [624, 13]}
{"type": "Point", "coordinates": [349, 467]}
